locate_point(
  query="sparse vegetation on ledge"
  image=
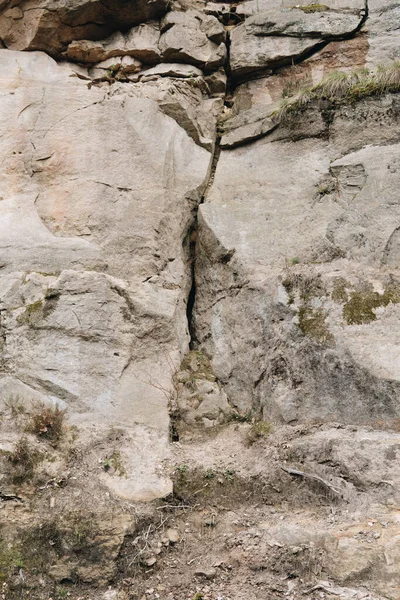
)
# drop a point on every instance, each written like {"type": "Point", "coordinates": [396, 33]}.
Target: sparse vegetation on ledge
{"type": "Point", "coordinates": [339, 87]}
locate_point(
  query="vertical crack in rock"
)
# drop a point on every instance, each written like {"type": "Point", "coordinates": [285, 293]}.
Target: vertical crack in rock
{"type": "Point", "coordinates": [192, 235]}
{"type": "Point", "coordinates": [231, 84]}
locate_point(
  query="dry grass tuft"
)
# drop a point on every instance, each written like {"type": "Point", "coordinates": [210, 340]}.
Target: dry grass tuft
{"type": "Point", "coordinates": [48, 422]}
{"type": "Point", "coordinates": [24, 459]}
{"type": "Point", "coordinates": [343, 88]}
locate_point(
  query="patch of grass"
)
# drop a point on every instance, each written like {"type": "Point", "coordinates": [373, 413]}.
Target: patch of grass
{"type": "Point", "coordinates": [247, 417]}
{"type": "Point", "coordinates": [222, 486]}
{"type": "Point", "coordinates": [74, 533]}
{"type": "Point", "coordinates": [313, 8]}
{"type": "Point", "coordinates": [293, 85]}
{"type": "Point", "coordinates": [47, 422]}
{"type": "Point", "coordinates": [10, 559]}
{"type": "Point", "coordinates": [15, 405]}
{"type": "Point", "coordinates": [360, 309]}
{"type": "Point", "coordinates": [302, 291]}
{"type": "Point", "coordinates": [24, 460]}
{"type": "Point", "coordinates": [257, 431]}
{"type": "Point", "coordinates": [343, 88]}
{"type": "Point", "coordinates": [198, 365]}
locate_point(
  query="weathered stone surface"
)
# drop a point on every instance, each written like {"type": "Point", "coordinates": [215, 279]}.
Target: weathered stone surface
{"type": "Point", "coordinates": [231, 330]}
{"type": "Point", "coordinates": [193, 38]}
{"type": "Point", "coordinates": [121, 67]}
{"type": "Point", "coordinates": [50, 25]}
{"type": "Point", "coordinates": [243, 250]}
{"type": "Point", "coordinates": [174, 70]}
{"type": "Point", "coordinates": [276, 37]}
{"type": "Point", "coordinates": [262, 92]}
{"type": "Point", "coordinates": [382, 28]}
{"type": "Point", "coordinates": [247, 126]}
{"type": "Point", "coordinates": [247, 9]}
{"type": "Point", "coordinates": [93, 292]}
{"type": "Point", "coordinates": [298, 23]}
{"type": "Point", "coordinates": [185, 102]}
{"type": "Point", "coordinates": [216, 83]}
{"type": "Point", "coordinates": [200, 401]}
{"type": "Point", "coordinates": [140, 42]}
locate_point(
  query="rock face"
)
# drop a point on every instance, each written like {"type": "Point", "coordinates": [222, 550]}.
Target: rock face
{"type": "Point", "coordinates": [90, 203]}
{"type": "Point", "coordinates": [50, 25]}
{"type": "Point", "coordinates": [274, 38]}
{"type": "Point", "coordinates": [290, 286]}
{"type": "Point", "coordinates": [200, 224]}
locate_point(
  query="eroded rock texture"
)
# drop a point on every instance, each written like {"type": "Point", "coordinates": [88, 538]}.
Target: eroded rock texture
{"type": "Point", "coordinates": [192, 233]}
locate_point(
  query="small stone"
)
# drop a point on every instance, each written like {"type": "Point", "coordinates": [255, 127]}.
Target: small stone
{"type": "Point", "coordinates": [173, 536]}
{"type": "Point", "coordinates": [207, 573]}
{"type": "Point", "coordinates": [150, 561]}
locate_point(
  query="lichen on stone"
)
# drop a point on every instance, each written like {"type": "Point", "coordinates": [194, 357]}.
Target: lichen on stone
{"type": "Point", "coordinates": [313, 8]}
{"type": "Point", "coordinates": [339, 292]}
{"type": "Point", "coordinates": [360, 309]}
{"type": "Point", "coordinates": [312, 324]}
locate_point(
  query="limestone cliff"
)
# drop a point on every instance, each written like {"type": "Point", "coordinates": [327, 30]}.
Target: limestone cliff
{"type": "Point", "coordinates": [200, 298]}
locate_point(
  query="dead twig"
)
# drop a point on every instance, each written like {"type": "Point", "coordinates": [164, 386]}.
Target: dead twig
{"type": "Point", "coordinates": [8, 497]}
{"type": "Point", "coordinates": [200, 490]}
{"type": "Point", "coordinates": [297, 473]}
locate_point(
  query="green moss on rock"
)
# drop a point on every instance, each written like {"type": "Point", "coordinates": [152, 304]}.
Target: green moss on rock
{"type": "Point", "coordinates": [312, 324]}
{"type": "Point", "coordinates": [360, 309]}
{"type": "Point", "coordinates": [339, 292]}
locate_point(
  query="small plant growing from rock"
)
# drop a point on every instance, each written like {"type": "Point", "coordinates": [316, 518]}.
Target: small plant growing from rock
{"type": "Point", "coordinates": [229, 474]}
{"type": "Point", "coordinates": [340, 88]}
{"type": "Point", "coordinates": [114, 463]}
{"type": "Point", "coordinates": [242, 418]}
{"type": "Point", "coordinates": [15, 405]}
{"type": "Point", "coordinates": [181, 469]}
{"type": "Point", "coordinates": [257, 431]}
{"type": "Point", "coordinates": [47, 422]}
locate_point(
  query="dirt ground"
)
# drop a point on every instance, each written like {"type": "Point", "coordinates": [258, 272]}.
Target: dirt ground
{"type": "Point", "coordinates": [257, 512]}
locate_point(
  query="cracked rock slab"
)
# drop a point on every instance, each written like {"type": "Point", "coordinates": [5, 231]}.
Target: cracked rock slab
{"type": "Point", "coordinates": [307, 248]}
{"type": "Point", "coordinates": [250, 8]}
{"type": "Point", "coordinates": [247, 126]}
{"type": "Point", "coordinates": [193, 37]}
{"type": "Point", "coordinates": [50, 25]}
{"type": "Point", "coordinates": [97, 193]}
{"type": "Point", "coordinates": [277, 37]}
{"type": "Point", "coordinates": [140, 42]}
